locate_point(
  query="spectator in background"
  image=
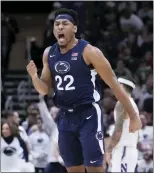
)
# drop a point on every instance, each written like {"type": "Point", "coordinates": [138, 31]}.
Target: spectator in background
{"type": "Point", "coordinates": [145, 137]}
{"type": "Point", "coordinates": [146, 12]}
{"type": "Point", "coordinates": [146, 130]}
{"type": "Point", "coordinates": [31, 118]}
{"type": "Point", "coordinates": [14, 117]}
{"type": "Point", "coordinates": [142, 71]}
{"type": "Point", "coordinates": [55, 162]}
{"type": "Point", "coordinates": [130, 22]}
{"type": "Point", "coordinates": [39, 147]}
{"type": "Point", "coordinates": [146, 164]}
{"type": "Point", "coordinates": [36, 53]}
{"type": "Point", "coordinates": [121, 70]}
{"type": "Point", "coordinates": [147, 95]}
{"type": "Point", "coordinates": [11, 147]}
{"type": "Point", "coordinates": [138, 91]}
{"type": "Point", "coordinates": [9, 29]}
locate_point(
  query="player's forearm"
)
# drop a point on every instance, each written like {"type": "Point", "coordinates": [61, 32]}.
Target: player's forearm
{"type": "Point", "coordinates": [40, 85]}
{"type": "Point", "coordinates": [113, 141]}
{"type": "Point", "coordinates": [122, 96]}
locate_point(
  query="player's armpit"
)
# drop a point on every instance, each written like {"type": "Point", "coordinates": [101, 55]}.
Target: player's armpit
{"type": "Point", "coordinates": [94, 56]}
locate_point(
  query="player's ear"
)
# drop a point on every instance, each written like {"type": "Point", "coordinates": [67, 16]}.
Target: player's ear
{"type": "Point", "coordinates": [75, 29]}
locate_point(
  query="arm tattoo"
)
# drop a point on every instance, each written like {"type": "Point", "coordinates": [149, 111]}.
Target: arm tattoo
{"type": "Point", "coordinates": [120, 112]}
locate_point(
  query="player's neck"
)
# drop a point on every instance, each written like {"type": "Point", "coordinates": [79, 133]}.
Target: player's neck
{"type": "Point", "coordinates": [69, 46]}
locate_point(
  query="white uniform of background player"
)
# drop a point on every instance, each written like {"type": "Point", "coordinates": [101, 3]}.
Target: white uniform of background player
{"type": "Point", "coordinates": [124, 153]}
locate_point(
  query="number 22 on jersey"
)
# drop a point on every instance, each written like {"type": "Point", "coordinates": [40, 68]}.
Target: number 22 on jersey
{"type": "Point", "coordinates": [68, 78]}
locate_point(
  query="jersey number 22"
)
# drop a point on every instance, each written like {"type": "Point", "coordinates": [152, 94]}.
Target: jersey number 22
{"type": "Point", "coordinates": [67, 78]}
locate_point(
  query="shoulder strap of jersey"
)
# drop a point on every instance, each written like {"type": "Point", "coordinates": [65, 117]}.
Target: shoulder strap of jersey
{"type": "Point", "coordinates": [53, 48]}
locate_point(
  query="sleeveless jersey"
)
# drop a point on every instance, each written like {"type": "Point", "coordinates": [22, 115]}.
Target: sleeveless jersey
{"type": "Point", "coordinates": [74, 82]}
{"type": "Point", "coordinates": [127, 138]}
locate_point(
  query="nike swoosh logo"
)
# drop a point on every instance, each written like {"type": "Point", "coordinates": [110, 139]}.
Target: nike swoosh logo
{"type": "Point", "coordinates": [52, 56]}
{"type": "Point", "coordinates": [89, 117]}
{"type": "Point", "coordinates": [93, 161]}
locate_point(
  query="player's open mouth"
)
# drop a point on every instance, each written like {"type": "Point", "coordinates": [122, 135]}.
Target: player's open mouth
{"type": "Point", "coordinates": [61, 36]}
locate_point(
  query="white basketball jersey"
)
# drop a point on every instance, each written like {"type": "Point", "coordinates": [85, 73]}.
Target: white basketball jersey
{"type": "Point", "coordinates": [127, 138]}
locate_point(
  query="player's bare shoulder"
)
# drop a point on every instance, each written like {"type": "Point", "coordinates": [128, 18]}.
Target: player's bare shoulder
{"type": "Point", "coordinates": [45, 54]}
{"type": "Point", "coordinates": [91, 52]}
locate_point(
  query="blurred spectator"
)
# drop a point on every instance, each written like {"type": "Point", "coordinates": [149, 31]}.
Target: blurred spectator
{"type": "Point", "coordinates": [142, 71]}
{"type": "Point", "coordinates": [146, 130]}
{"type": "Point", "coordinates": [11, 147]}
{"type": "Point", "coordinates": [36, 52]}
{"type": "Point", "coordinates": [132, 5]}
{"type": "Point", "coordinates": [121, 70]}
{"type": "Point", "coordinates": [146, 164]}
{"type": "Point", "coordinates": [9, 29]}
{"type": "Point", "coordinates": [31, 118]}
{"type": "Point", "coordinates": [147, 95]}
{"type": "Point", "coordinates": [55, 162]}
{"type": "Point", "coordinates": [14, 117]}
{"type": "Point", "coordinates": [146, 12]}
{"type": "Point", "coordinates": [130, 22]}
{"type": "Point", "coordinates": [39, 145]}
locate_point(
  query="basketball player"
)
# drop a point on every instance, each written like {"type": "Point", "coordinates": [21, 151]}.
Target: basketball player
{"type": "Point", "coordinates": [122, 151]}
{"type": "Point", "coordinates": [70, 66]}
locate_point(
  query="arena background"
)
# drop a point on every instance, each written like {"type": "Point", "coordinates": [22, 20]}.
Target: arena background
{"type": "Point", "coordinates": [126, 43]}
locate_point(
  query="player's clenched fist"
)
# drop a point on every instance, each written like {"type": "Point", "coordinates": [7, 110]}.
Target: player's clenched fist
{"type": "Point", "coordinates": [32, 69]}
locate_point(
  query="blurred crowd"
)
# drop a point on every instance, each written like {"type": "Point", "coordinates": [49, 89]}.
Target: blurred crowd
{"type": "Point", "coordinates": [124, 32]}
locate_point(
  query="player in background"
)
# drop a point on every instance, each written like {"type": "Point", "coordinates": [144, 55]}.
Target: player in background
{"type": "Point", "coordinates": [70, 66]}
{"type": "Point", "coordinates": [122, 153]}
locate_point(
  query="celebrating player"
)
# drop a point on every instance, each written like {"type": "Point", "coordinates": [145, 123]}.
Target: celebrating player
{"type": "Point", "coordinates": [70, 66]}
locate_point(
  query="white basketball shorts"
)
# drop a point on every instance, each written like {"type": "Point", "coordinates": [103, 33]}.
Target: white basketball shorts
{"type": "Point", "coordinates": [124, 159]}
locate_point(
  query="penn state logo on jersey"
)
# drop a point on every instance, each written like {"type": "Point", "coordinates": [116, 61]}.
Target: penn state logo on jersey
{"type": "Point", "coordinates": [62, 67]}
{"type": "Point", "coordinates": [9, 151]}
{"type": "Point", "coordinates": [99, 135]}
{"type": "Point", "coordinates": [40, 140]}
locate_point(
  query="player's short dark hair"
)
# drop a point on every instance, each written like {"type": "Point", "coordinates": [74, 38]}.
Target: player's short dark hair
{"type": "Point", "coordinates": [71, 12]}
{"type": "Point", "coordinates": [128, 88]}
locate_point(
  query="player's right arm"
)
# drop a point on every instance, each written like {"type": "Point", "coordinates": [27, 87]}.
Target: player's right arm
{"type": "Point", "coordinates": [42, 84]}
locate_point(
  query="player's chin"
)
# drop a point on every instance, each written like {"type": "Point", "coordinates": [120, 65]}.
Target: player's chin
{"type": "Point", "coordinates": [62, 44]}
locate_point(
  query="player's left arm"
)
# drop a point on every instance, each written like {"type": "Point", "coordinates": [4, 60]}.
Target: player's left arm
{"type": "Point", "coordinates": [94, 56]}
{"type": "Point", "coordinates": [114, 139]}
